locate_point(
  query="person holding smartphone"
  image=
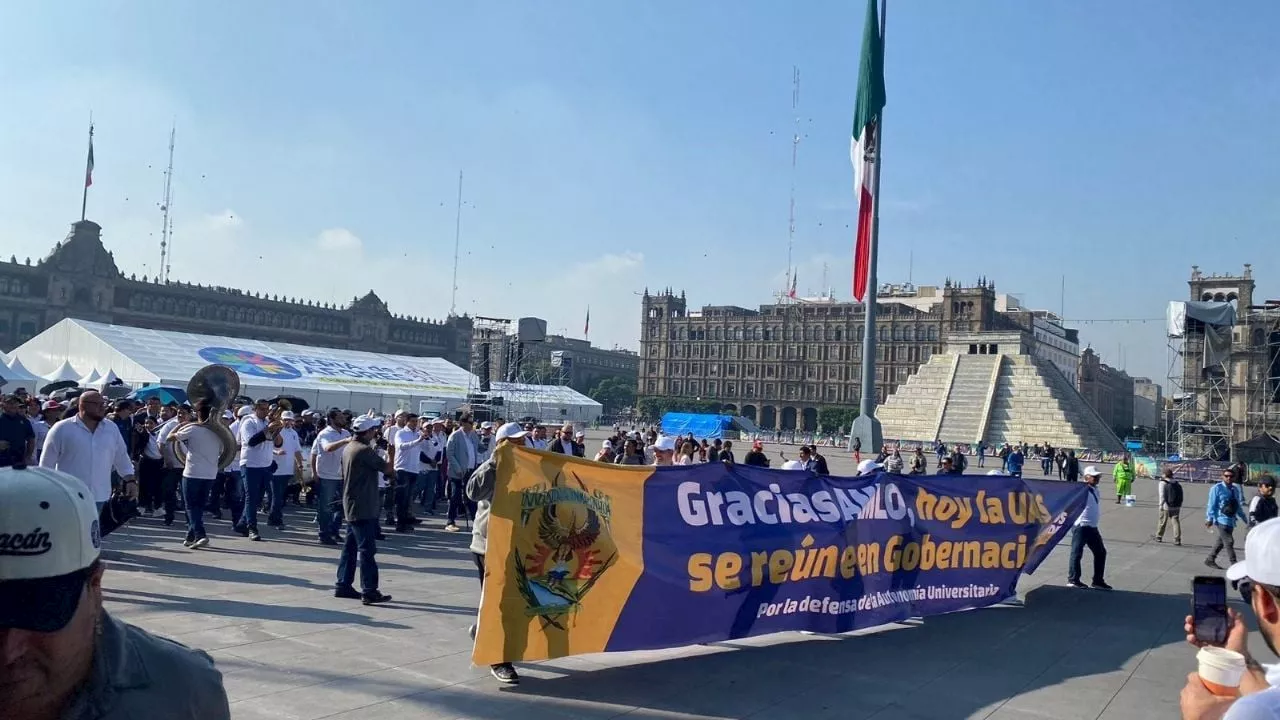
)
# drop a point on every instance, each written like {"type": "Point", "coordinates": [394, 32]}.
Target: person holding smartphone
{"type": "Point", "coordinates": [1258, 580]}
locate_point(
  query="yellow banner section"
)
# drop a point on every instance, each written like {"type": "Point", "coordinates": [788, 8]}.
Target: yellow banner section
{"type": "Point", "coordinates": [564, 553]}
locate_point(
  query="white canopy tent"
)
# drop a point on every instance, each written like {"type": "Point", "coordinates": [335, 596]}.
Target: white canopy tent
{"type": "Point", "coordinates": [64, 373]}
{"type": "Point", "coordinates": [89, 379]}
{"type": "Point", "coordinates": [16, 375]}
{"type": "Point", "coordinates": [324, 377]}
{"type": "Point", "coordinates": [107, 379]}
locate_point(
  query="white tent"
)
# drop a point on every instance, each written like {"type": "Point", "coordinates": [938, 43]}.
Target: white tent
{"type": "Point", "coordinates": [16, 373]}
{"type": "Point", "coordinates": [324, 377]}
{"type": "Point", "coordinates": [89, 379]}
{"type": "Point", "coordinates": [64, 372]}
{"type": "Point", "coordinates": [107, 379]}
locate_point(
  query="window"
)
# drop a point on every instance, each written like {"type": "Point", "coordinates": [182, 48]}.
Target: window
{"type": "Point", "coordinates": [933, 333]}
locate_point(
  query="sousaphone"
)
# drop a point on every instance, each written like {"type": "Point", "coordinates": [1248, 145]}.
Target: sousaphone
{"type": "Point", "coordinates": [217, 385]}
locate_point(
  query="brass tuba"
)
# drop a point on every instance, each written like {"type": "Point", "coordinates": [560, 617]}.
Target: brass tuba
{"type": "Point", "coordinates": [217, 385]}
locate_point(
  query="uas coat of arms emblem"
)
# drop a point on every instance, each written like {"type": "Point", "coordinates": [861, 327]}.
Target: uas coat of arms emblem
{"type": "Point", "coordinates": [563, 547]}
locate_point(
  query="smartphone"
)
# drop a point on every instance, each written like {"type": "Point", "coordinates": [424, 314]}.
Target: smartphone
{"type": "Point", "coordinates": [1209, 608]}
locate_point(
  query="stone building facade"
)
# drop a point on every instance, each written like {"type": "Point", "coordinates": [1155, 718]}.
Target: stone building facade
{"type": "Point", "coordinates": [1148, 405]}
{"type": "Point", "coordinates": [779, 364]}
{"type": "Point", "coordinates": [1108, 390]}
{"type": "Point", "coordinates": [558, 360]}
{"type": "Point", "coordinates": [80, 279]}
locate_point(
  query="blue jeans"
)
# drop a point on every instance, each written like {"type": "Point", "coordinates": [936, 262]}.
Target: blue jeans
{"type": "Point", "coordinates": [424, 489]}
{"type": "Point", "coordinates": [195, 491]}
{"type": "Point", "coordinates": [1082, 537]}
{"type": "Point", "coordinates": [361, 546]}
{"type": "Point", "coordinates": [329, 506]}
{"type": "Point", "coordinates": [255, 483]}
{"type": "Point", "coordinates": [279, 484]}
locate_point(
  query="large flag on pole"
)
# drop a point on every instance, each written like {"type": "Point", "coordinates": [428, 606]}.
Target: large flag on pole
{"type": "Point", "coordinates": [862, 149]}
{"type": "Point", "coordinates": [586, 327]}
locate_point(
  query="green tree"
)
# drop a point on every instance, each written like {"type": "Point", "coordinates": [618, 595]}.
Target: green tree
{"type": "Point", "coordinates": [614, 393]}
{"type": "Point", "coordinates": [836, 419]}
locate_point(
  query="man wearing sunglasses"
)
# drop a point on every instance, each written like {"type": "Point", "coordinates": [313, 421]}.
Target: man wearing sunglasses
{"type": "Point", "coordinates": [1224, 507]}
{"type": "Point", "coordinates": [1258, 580]}
{"type": "Point", "coordinates": [61, 654]}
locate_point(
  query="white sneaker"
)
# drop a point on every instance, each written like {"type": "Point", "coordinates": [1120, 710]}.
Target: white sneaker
{"type": "Point", "coordinates": [472, 632]}
{"type": "Point", "coordinates": [200, 542]}
{"type": "Point", "coordinates": [188, 543]}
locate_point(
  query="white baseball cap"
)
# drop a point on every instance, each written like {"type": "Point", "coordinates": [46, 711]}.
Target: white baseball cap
{"type": "Point", "coordinates": [287, 415]}
{"type": "Point", "coordinates": [665, 444]}
{"type": "Point", "coordinates": [244, 411]}
{"type": "Point", "coordinates": [1092, 471]}
{"type": "Point", "coordinates": [227, 414]}
{"type": "Point", "coordinates": [49, 536]}
{"type": "Point", "coordinates": [793, 465]}
{"type": "Point", "coordinates": [510, 431]}
{"type": "Point", "coordinates": [364, 422]}
{"type": "Point", "coordinates": [868, 466]}
{"type": "Point", "coordinates": [993, 472]}
{"type": "Point", "coordinates": [1261, 555]}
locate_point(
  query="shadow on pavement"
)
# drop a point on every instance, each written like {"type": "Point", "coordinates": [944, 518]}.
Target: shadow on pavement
{"type": "Point", "coordinates": [950, 666]}
{"type": "Point", "coordinates": [249, 610]}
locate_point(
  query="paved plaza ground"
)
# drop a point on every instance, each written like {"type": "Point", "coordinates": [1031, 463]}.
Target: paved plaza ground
{"type": "Point", "coordinates": [289, 649]}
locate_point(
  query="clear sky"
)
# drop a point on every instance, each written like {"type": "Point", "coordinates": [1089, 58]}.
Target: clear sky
{"type": "Point", "coordinates": [612, 146]}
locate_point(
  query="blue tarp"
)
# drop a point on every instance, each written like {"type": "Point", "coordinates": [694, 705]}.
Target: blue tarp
{"type": "Point", "coordinates": [702, 426]}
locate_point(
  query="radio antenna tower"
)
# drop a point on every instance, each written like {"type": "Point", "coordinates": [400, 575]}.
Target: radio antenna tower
{"type": "Point", "coordinates": [457, 239]}
{"type": "Point", "coordinates": [166, 227]}
{"type": "Point", "coordinates": [795, 147]}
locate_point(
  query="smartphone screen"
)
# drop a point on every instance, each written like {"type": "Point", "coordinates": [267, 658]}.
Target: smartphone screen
{"type": "Point", "coordinates": [1209, 608]}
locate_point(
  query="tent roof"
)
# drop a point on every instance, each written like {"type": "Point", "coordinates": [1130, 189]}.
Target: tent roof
{"type": "Point", "coordinates": [109, 378]}
{"type": "Point", "coordinates": [140, 355]}
{"type": "Point", "coordinates": [63, 373]}
{"type": "Point", "coordinates": [91, 378]}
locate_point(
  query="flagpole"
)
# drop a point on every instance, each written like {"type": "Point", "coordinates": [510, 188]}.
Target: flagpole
{"type": "Point", "coordinates": [84, 197]}
{"type": "Point", "coordinates": [867, 426]}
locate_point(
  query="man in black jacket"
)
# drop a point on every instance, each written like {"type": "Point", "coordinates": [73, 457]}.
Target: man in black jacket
{"type": "Point", "coordinates": [1071, 467]}
{"type": "Point", "coordinates": [564, 443]}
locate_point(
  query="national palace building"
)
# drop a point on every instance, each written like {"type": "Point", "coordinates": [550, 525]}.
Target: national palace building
{"type": "Point", "coordinates": [79, 279]}
{"type": "Point", "coordinates": [779, 364]}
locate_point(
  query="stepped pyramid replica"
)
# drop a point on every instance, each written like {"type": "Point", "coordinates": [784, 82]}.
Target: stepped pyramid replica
{"type": "Point", "coordinates": [989, 386]}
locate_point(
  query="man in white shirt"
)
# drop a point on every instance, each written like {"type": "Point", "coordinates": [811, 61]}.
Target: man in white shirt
{"type": "Point", "coordinates": [1085, 533]}
{"type": "Point", "coordinates": [408, 442]}
{"type": "Point", "coordinates": [171, 479]}
{"type": "Point", "coordinates": [87, 448]}
{"type": "Point", "coordinates": [288, 459]}
{"type": "Point", "coordinates": [539, 441]}
{"type": "Point", "coordinates": [326, 466]}
{"type": "Point", "coordinates": [204, 450]}
{"type": "Point", "coordinates": [150, 467]}
{"type": "Point", "coordinates": [35, 416]}
{"type": "Point", "coordinates": [257, 438]}
{"type": "Point", "coordinates": [430, 481]}
{"type": "Point", "coordinates": [1257, 578]}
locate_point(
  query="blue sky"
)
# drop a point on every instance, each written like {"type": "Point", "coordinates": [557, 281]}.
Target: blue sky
{"type": "Point", "coordinates": [612, 146]}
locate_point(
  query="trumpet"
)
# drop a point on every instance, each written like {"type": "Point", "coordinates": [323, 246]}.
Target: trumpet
{"type": "Point", "coordinates": [281, 407]}
{"type": "Point", "coordinates": [217, 385]}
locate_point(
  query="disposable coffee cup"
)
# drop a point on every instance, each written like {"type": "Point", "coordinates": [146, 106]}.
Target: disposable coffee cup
{"type": "Point", "coordinates": [1221, 670]}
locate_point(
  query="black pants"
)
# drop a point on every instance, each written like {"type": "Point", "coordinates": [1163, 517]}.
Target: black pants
{"type": "Point", "coordinates": [170, 483]}
{"type": "Point", "coordinates": [479, 565]}
{"type": "Point", "coordinates": [405, 481]}
{"type": "Point", "coordinates": [1226, 540]}
{"type": "Point", "coordinates": [1082, 536]}
{"type": "Point", "coordinates": [459, 505]}
{"type": "Point", "coordinates": [226, 493]}
{"type": "Point", "coordinates": [150, 478]}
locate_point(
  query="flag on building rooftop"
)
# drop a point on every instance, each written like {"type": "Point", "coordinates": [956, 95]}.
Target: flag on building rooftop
{"type": "Point", "coordinates": [88, 167]}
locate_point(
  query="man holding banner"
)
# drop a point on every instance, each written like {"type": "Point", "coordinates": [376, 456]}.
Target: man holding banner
{"type": "Point", "coordinates": [583, 557]}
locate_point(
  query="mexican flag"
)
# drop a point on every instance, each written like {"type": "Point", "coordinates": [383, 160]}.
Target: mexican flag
{"type": "Point", "coordinates": [862, 149]}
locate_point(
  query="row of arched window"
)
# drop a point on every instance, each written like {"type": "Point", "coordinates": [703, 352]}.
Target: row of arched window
{"type": "Point", "coordinates": [14, 286]}
{"type": "Point", "coordinates": [813, 333]}
{"type": "Point", "coordinates": [183, 307]}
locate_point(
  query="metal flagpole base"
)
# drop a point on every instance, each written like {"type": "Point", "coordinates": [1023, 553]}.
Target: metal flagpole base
{"type": "Point", "coordinates": [867, 429]}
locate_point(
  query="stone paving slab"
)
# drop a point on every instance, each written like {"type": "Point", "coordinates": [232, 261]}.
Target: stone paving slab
{"type": "Point", "coordinates": [289, 650]}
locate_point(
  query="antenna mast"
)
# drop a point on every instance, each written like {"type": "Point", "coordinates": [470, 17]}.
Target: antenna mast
{"type": "Point", "coordinates": [166, 226]}
{"type": "Point", "coordinates": [795, 146]}
{"type": "Point", "coordinates": [457, 239]}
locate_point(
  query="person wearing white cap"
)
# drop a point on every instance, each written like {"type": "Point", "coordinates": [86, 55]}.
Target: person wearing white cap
{"type": "Point", "coordinates": [1257, 578]}
{"type": "Point", "coordinates": [869, 467]}
{"type": "Point", "coordinates": [664, 450]}
{"type": "Point", "coordinates": [408, 442]}
{"type": "Point", "coordinates": [480, 489]}
{"type": "Point", "coordinates": [287, 453]}
{"type": "Point", "coordinates": [796, 465]}
{"type": "Point", "coordinates": [62, 655]}
{"type": "Point", "coordinates": [362, 467]}
{"type": "Point", "coordinates": [1085, 533]}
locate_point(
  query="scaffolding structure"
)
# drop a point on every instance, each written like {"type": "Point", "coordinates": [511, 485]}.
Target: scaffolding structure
{"type": "Point", "coordinates": [1214, 406]}
{"type": "Point", "coordinates": [498, 357]}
